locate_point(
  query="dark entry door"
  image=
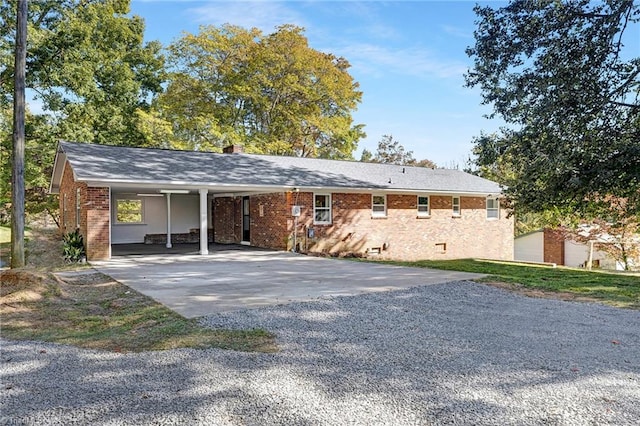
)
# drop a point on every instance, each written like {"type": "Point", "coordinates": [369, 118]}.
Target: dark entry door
{"type": "Point", "coordinates": [246, 235]}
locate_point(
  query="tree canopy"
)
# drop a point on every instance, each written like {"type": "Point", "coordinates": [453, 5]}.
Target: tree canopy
{"type": "Point", "coordinates": [271, 92]}
{"type": "Point", "coordinates": [87, 63]}
{"type": "Point", "coordinates": [88, 66]}
{"type": "Point", "coordinates": [391, 151]}
{"type": "Point", "coordinates": [97, 81]}
{"type": "Point", "coordinates": [558, 73]}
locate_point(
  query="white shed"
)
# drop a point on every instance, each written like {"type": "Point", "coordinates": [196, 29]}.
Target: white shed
{"type": "Point", "coordinates": [529, 247]}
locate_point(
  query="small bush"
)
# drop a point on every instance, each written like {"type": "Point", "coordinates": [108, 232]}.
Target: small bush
{"type": "Point", "coordinates": [73, 248]}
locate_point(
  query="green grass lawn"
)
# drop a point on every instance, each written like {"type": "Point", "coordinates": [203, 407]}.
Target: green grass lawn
{"type": "Point", "coordinates": [94, 311]}
{"type": "Point", "coordinates": [608, 287]}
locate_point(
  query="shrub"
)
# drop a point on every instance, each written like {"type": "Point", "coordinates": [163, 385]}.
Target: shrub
{"type": "Point", "coordinates": [73, 248]}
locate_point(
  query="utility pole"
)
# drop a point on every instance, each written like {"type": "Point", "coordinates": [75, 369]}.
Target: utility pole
{"type": "Point", "coordinates": [17, 177]}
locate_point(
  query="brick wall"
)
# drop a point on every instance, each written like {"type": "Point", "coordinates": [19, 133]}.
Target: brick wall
{"type": "Point", "coordinates": [553, 250]}
{"type": "Point", "coordinates": [94, 214]}
{"type": "Point", "coordinates": [269, 217]}
{"type": "Point", "coordinates": [191, 237]}
{"type": "Point", "coordinates": [402, 234]}
{"type": "Point", "coordinates": [98, 223]}
{"type": "Point", "coordinates": [67, 200]}
{"type": "Point", "coordinates": [227, 220]}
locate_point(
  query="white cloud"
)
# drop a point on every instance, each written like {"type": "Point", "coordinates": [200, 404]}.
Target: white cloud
{"type": "Point", "coordinates": [264, 15]}
{"type": "Point", "coordinates": [377, 60]}
{"type": "Point", "coordinates": [365, 17]}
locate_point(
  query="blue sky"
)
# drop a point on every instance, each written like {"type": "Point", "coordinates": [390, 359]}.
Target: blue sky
{"type": "Point", "coordinates": [408, 56]}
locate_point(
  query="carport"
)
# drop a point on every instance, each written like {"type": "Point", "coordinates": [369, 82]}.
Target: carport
{"type": "Point", "coordinates": [238, 277]}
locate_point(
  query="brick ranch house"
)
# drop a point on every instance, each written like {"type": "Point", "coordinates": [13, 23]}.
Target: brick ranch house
{"type": "Point", "coordinates": [122, 195]}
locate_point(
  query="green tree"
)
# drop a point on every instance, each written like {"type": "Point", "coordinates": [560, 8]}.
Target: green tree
{"type": "Point", "coordinates": [272, 92]}
{"type": "Point", "coordinates": [391, 151]}
{"type": "Point", "coordinates": [558, 74]}
{"type": "Point", "coordinates": [87, 65]}
{"type": "Point", "coordinates": [430, 164]}
{"type": "Point", "coordinates": [366, 156]}
{"type": "Point", "coordinates": [39, 153]}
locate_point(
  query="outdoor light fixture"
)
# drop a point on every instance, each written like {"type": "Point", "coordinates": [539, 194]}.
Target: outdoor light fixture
{"type": "Point", "coordinates": [149, 195]}
{"type": "Point", "coordinates": [174, 191]}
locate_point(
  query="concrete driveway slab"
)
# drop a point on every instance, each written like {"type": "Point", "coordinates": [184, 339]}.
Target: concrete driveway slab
{"type": "Point", "coordinates": [223, 281]}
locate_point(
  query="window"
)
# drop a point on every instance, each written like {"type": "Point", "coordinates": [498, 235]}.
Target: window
{"type": "Point", "coordinates": [78, 208]}
{"type": "Point", "coordinates": [493, 208]}
{"type": "Point", "coordinates": [455, 209]}
{"type": "Point", "coordinates": [379, 205]}
{"type": "Point", "coordinates": [128, 211]}
{"type": "Point", "coordinates": [321, 208]}
{"type": "Point", "coordinates": [423, 206]}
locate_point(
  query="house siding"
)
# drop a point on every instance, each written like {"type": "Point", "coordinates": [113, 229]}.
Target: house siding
{"type": "Point", "coordinates": [576, 255]}
{"type": "Point", "coordinates": [401, 235]}
{"type": "Point", "coordinates": [530, 247]}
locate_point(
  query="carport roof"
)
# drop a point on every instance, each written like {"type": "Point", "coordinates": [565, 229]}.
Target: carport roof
{"type": "Point", "coordinates": [116, 165]}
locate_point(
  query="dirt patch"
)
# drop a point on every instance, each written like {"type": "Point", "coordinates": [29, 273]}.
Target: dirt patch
{"type": "Point", "coordinates": [541, 294]}
{"type": "Point", "coordinates": [84, 277]}
{"type": "Point", "coordinates": [44, 250]}
{"type": "Point", "coordinates": [89, 309]}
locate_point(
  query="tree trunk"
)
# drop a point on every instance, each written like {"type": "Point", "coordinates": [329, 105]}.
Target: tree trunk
{"type": "Point", "coordinates": [55, 219]}
{"type": "Point", "coordinates": [17, 177]}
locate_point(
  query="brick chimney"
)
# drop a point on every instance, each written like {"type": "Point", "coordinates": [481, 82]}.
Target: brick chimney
{"type": "Point", "coordinates": [233, 149]}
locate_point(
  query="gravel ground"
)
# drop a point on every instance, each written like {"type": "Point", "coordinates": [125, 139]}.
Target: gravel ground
{"type": "Point", "coordinates": [457, 353]}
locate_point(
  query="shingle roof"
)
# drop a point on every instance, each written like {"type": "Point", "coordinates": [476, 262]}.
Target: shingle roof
{"type": "Point", "coordinates": [111, 164]}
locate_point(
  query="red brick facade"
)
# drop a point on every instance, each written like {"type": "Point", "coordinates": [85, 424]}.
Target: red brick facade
{"type": "Point", "coordinates": [401, 234]}
{"type": "Point", "coordinates": [270, 215]}
{"type": "Point", "coordinates": [553, 250]}
{"type": "Point", "coordinates": [227, 220]}
{"type": "Point", "coordinates": [94, 214]}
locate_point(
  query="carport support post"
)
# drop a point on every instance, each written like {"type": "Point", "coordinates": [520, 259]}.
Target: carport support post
{"type": "Point", "coordinates": [168, 220]}
{"type": "Point", "coordinates": [204, 240]}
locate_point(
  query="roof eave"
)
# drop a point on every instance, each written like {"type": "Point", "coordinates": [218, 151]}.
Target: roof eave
{"type": "Point", "coordinates": [58, 170]}
{"type": "Point", "coordinates": [277, 188]}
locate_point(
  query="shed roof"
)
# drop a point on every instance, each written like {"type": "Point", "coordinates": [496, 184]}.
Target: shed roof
{"type": "Point", "coordinates": [114, 165]}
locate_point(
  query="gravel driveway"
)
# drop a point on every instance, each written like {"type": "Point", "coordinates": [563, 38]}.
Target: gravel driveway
{"type": "Point", "coordinates": [457, 353]}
